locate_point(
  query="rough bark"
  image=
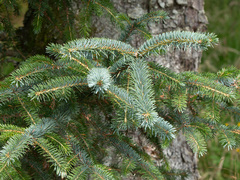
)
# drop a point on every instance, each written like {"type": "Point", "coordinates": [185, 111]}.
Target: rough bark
{"type": "Point", "coordinates": [184, 15]}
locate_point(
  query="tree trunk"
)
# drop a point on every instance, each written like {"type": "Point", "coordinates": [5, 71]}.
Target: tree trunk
{"type": "Point", "coordinates": [184, 15]}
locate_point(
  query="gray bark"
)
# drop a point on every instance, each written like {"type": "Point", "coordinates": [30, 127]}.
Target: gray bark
{"type": "Point", "coordinates": [184, 15]}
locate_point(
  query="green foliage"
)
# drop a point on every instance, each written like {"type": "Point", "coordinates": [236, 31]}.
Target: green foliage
{"type": "Point", "coordinates": [44, 22]}
{"type": "Point", "coordinates": [139, 25]}
{"type": "Point", "coordinates": [6, 68]}
{"type": "Point", "coordinates": [196, 142]}
{"type": "Point", "coordinates": [179, 40]}
{"type": "Point", "coordinates": [223, 20]}
{"type": "Point", "coordinates": [73, 109]}
{"type": "Point", "coordinates": [220, 164]}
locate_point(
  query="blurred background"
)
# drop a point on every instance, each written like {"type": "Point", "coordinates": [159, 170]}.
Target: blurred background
{"type": "Point", "coordinates": [223, 17]}
{"type": "Point", "coordinates": [224, 20]}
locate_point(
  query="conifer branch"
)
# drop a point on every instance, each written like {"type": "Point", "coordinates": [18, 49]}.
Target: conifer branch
{"type": "Point", "coordinates": [17, 171]}
{"type": "Point", "coordinates": [121, 95]}
{"type": "Point", "coordinates": [20, 77]}
{"type": "Point", "coordinates": [5, 94]}
{"type": "Point", "coordinates": [163, 73]}
{"type": "Point", "coordinates": [64, 147]}
{"type": "Point", "coordinates": [55, 157]}
{"type": "Point", "coordinates": [3, 167]}
{"type": "Point", "coordinates": [79, 62]}
{"type": "Point", "coordinates": [227, 138]}
{"type": "Point", "coordinates": [28, 112]}
{"type": "Point", "coordinates": [144, 32]}
{"type": "Point", "coordinates": [72, 129]}
{"type": "Point", "coordinates": [151, 16]}
{"type": "Point", "coordinates": [209, 87]}
{"type": "Point", "coordinates": [236, 131]}
{"type": "Point", "coordinates": [139, 24]}
{"type": "Point", "coordinates": [196, 141]}
{"type": "Point", "coordinates": [59, 87]}
{"type": "Point", "coordinates": [125, 149]}
{"type": "Point", "coordinates": [109, 11]}
{"type": "Point", "coordinates": [100, 44]}
{"type": "Point", "coordinates": [11, 129]}
{"type": "Point", "coordinates": [201, 128]}
{"type": "Point", "coordinates": [177, 39]}
{"type": "Point", "coordinates": [14, 149]}
{"type": "Point", "coordinates": [141, 90]}
{"type": "Point", "coordinates": [78, 173]}
{"type": "Point", "coordinates": [163, 129]}
{"type": "Point", "coordinates": [102, 172]}
{"type": "Point", "coordinates": [121, 64]}
{"type": "Point", "coordinates": [32, 70]}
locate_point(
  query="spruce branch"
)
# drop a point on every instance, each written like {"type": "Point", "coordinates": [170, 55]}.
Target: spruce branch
{"type": "Point", "coordinates": [58, 88]}
{"type": "Point", "coordinates": [236, 131]}
{"type": "Point", "coordinates": [5, 95]}
{"type": "Point", "coordinates": [128, 165]}
{"type": "Point", "coordinates": [8, 130]}
{"type": "Point", "coordinates": [179, 101]}
{"type": "Point", "coordinates": [126, 150]}
{"type": "Point", "coordinates": [54, 156]}
{"type": "Point", "coordinates": [201, 127]}
{"type": "Point", "coordinates": [79, 172]}
{"type": "Point", "coordinates": [14, 149]}
{"type": "Point", "coordinates": [144, 102]}
{"type": "Point", "coordinates": [161, 73]}
{"type": "Point", "coordinates": [94, 44]}
{"type": "Point", "coordinates": [209, 87]}
{"type": "Point", "coordinates": [101, 172]}
{"type": "Point", "coordinates": [141, 90]}
{"type": "Point", "coordinates": [139, 24]}
{"type": "Point", "coordinates": [162, 129]}
{"type": "Point", "coordinates": [31, 72]}
{"type": "Point", "coordinates": [197, 142]}
{"type": "Point", "coordinates": [120, 96]}
{"type": "Point", "coordinates": [63, 146]}
{"type": "Point", "coordinates": [87, 167]}
{"type": "Point", "coordinates": [155, 15]}
{"type": "Point", "coordinates": [30, 115]}
{"type": "Point", "coordinates": [227, 137]}
{"type": "Point", "coordinates": [178, 39]}
{"type": "Point", "coordinates": [79, 62]}
{"type": "Point", "coordinates": [44, 126]}
{"type": "Point", "coordinates": [72, 130]}
{"type": "Point", "coordinates": [11, 129]}
{"type": "Point", "coordinates": [212, 112]}
{"type": "Point", "coordinates": [110, 11]}
{"type": "Point", "coordinates": [6, 91]}
{"type": "Point", "coordinates": [120, 65]}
